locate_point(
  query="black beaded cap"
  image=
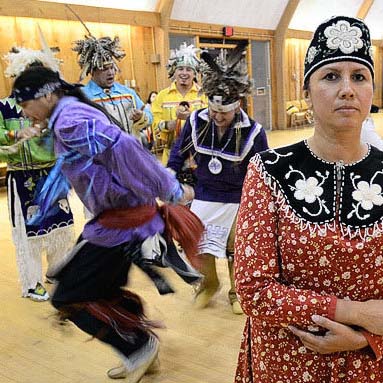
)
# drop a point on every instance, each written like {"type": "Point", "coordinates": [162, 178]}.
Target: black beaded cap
{"type": "Point", "coordinates": [339, 38]}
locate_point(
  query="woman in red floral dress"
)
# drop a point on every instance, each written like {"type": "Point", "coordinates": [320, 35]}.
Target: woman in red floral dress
{"type": "Point", "coordinates": [309, 245]}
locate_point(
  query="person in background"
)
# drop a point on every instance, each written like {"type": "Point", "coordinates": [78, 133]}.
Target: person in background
{"type": "Point", "coordinates": [221, 139]}
{"type": "Point", "coordinates": [147, 137]}
{"type": "Point", "coordinates": [152, 96]}
{"type": "Point", "coordinates": [122, 185]}
{"type": "Point", "coordinates": [369, 133]}
{"type": "Point", "coordinates": [173, 105]}
{"type": "Point", "coordinates": [30, 159]}
{"type": "Point", "coordinates": [98, 57]}
{"type": "Point", "coordinates": [308, 248]}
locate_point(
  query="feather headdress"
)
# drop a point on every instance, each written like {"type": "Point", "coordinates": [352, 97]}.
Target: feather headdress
{"type": "Point", "coordinates": [225, 79]}
{"type": "Point", "coordinates": [186, 55]}
{"type": "Point", "coordinates": [94, 53]}
{"type": "Point", "coordinates": [20, 59]}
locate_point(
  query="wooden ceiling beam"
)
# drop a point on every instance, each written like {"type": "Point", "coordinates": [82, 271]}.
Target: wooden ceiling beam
{"type": "Point", "coordinates": [364, 9]}
{"type": "Point", "coordinates": [280, 38]}
{"type": "Point", "coordinates": [161, 40]}
{"type": "Point", "coordinates": [49, 10]}
{"type": "Point", "coordinates": [164, 8]}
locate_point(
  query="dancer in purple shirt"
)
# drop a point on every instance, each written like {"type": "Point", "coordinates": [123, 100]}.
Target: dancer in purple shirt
{"type": "Point", "coordinates": [119, 182]}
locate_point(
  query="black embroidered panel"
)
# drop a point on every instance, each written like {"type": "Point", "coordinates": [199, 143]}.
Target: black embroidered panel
{"type": "Point", "coordinates": [318, 191]}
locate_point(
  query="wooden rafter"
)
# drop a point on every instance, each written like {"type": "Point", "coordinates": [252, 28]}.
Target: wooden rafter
{"type": "Point", "coordinates": [280, 36]}
{"type": "Point", "coordinates": [364, 9]}
{"type": "Point", "coordinates": [49, 10]}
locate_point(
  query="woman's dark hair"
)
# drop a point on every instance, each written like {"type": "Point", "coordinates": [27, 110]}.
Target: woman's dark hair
{"type": "Point", "coordinates": [306, 84]}
{"type": "Point", "coordinates": [37, 76]}
{"type": "Point", "coordinates": [150, 95]}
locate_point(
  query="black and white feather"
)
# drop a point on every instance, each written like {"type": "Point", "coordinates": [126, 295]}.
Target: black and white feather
{"type": "Point", "coordinates": [226, 75]}
{"type": "Point", "coordinates": [94, 53]}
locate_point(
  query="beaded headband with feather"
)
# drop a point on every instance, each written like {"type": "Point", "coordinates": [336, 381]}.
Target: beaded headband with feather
{"type": "Point", "coordinates": [225, 79]}
{"type": "Point", "coordinates": [186, 55]}
{"type": "Point", "coordinates": [95, 53]}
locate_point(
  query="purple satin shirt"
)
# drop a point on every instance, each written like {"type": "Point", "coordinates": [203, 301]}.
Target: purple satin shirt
{"type": "Point", "coordinates": [108, 169]}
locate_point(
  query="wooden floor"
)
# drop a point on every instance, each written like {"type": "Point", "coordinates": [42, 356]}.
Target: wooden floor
{"type": "Point", "coordinates": [196, 346]}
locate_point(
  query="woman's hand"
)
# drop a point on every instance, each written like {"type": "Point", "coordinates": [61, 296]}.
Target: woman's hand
{"type": "Point", "coordinates": [339, 337]}
{"type": "Point", "coordinates": [368, 314]}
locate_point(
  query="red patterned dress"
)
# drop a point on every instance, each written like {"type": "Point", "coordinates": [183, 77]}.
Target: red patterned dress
{"type": "Point", "coordinates": [308, 232]}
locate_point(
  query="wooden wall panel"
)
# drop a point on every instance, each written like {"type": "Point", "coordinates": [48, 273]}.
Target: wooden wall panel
{"type": "Point", "coordinates": [22, 31]}
{"type": "Point", "coordinates": [144, 69]}
{"type": "Point", "coordinates": [378, 91]}
{"type": "Point", "coordinates": [295, 50]}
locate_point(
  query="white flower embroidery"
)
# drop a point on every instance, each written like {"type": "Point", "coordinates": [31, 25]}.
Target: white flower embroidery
{"type": "Point", "coordinates": [248, 251]}
{"type": "Point", "coordinates": [371, 52]}
{"type": "Point", "coordinates": [307, 377]}
{"type": "Point", "coordinates": [341, 361]}
{"type": "Point", "coordinates": [346, 275]}
{"type": "Point", "coordinates": [323, 261]}
{"type": "Point", "coordinates": [302, 298]}
{"type": "Point", "coordinates": [302, 350]}
{"type": "Point", "coordinates": [368, 195]}
{"type": "Point", "coordinates": [308, 190]}
{"type": "Point", "coordinates": [357, 363]}
{"type": "Point", "coordinates": [290, 267]}
{"type": "Point", "coordinates": [344, 37]}
{"type": "Point", "coordinates": [311, 53]}
{"type": "Point", "coordinates": [281, 333]}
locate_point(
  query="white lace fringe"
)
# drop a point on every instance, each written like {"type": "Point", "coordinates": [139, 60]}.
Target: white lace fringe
{"type": "Point", "coordinates": [56, 245]}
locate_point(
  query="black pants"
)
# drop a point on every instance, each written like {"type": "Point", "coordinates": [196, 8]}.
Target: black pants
{"type": "Point", "coordinates": [95, 274]}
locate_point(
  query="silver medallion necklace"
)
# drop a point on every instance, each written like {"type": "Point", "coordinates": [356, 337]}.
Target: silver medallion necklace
{"type": "Point", "coordinates": [215, 165]}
